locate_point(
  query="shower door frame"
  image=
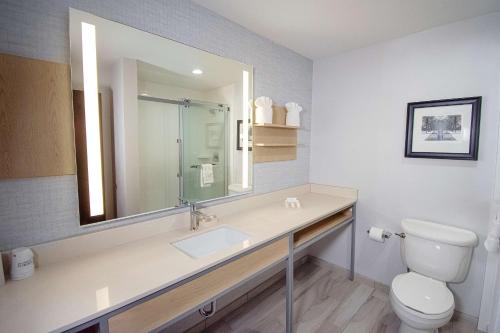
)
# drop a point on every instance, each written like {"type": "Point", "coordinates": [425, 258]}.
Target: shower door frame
{"type": "Point", "coordinates": [185, 102]}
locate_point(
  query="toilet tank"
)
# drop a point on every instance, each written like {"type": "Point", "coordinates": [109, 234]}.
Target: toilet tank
{"type": "Point", "coordinates": [438, 251]}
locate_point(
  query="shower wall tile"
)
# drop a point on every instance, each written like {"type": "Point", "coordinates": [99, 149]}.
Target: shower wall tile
{"type": "Point", "coordinates": [43, 209]}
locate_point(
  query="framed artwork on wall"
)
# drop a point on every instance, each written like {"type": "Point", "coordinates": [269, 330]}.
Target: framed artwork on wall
{"type": "Point", "coordinates": [445, 129]}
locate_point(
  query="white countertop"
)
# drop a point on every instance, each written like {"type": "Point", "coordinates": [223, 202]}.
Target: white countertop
{"type": "Point", "coordinates": [65, 294]}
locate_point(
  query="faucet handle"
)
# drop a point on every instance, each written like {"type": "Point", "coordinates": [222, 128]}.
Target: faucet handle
{"type": "Point", "coordinates": [209, 218]}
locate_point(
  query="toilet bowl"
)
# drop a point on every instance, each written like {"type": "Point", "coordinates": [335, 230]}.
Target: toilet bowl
{"type": "Point", "coordinates": [436, 254]}
{"type": "Point", "coordinates": [423, 304]}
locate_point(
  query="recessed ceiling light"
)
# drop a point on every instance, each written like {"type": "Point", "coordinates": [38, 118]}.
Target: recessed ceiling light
{"type": "Point", "coordinates": [197, 71]}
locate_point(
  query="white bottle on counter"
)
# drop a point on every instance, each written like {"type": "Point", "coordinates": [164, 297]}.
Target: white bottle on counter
{"type": "Point", "coordinates": [22, 265]}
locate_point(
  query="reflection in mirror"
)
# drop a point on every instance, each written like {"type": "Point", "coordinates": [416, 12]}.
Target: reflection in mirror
{"type": "Point", "coordinates": [155, 121]}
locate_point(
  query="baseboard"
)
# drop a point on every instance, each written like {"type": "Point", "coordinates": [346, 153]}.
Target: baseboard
{"type": "Point", "coordinates": [357, 277]}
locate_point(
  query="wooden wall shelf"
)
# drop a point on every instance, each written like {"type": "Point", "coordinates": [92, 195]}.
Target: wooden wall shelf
{"type": "Point", "coordinates": [276, 141]}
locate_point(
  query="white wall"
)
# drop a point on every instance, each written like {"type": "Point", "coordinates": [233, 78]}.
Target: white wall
{"type": "Point", "coordinates": [158, 129]}
{"type": "Point", "coordinates": [494, 323]}
{"type": "Point", "coordinates": [124, 86]}
{"type": "Point", "coordinates": [358, 131]}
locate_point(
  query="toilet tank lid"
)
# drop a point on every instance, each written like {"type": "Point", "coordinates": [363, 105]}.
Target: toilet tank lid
{"type": "Point", "coordinates": [439, 232]}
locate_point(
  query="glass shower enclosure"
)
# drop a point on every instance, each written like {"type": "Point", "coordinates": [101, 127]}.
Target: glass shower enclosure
{"type": "Point", "coordinates": [204, 141]}
{"type": "Point", "coordinates": [177, 138]}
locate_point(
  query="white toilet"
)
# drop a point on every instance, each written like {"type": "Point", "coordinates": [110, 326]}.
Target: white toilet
{"type": "Point", "coordinates": [435, 254]}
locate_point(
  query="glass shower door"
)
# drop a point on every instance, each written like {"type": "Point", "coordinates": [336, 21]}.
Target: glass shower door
{"type": "Point", "coordinates": [204, 133]}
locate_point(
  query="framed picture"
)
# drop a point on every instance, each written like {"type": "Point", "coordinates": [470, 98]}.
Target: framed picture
{"type": "Point", "coordinates": [239, 136]}
{"type": "Point", "coordinates": [446, 128]}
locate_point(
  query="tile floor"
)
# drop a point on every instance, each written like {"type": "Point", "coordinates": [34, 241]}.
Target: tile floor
{"type": "Point", "coordinates": [325, 301]}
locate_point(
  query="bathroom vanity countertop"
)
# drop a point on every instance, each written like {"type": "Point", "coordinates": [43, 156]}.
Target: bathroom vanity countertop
{"type": "Point", "coordinates": [65, 294]}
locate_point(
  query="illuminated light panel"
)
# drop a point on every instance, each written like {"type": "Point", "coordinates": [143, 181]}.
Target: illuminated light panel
{"type": "Point", "coordinates": [92, 121]}
{"type": "Point", "coordinates": [197, 71]}
{"type": "Point", "coordinates": [244, 178]}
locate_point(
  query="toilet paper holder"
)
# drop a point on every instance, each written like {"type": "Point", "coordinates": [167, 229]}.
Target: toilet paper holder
{"type": "Point", "coordinates": [388, 234]}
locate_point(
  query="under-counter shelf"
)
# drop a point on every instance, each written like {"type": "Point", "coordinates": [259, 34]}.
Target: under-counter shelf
{"type": "Point", "coordinates": [320, 228]}
{"type": "Point", "coordinates": [275, 144]}
{"type": "Point", "coordinates": [276, 126]}
{"type": "Point", "coordinates": [152, 314]}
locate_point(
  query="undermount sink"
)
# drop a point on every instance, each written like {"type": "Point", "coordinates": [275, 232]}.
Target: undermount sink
{"type": "Point", "coordinates": [211, 242]}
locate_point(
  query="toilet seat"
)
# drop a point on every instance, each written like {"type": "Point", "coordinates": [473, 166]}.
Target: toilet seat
{"type": "Point", "coordinates": [422, 295]}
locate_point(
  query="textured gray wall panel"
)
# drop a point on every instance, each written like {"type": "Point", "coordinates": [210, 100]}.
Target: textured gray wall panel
{"type": "Point", "coordinates": [42, 209]}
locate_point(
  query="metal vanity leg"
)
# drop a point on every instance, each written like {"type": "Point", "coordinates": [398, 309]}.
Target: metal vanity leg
{"type": "Point", "coordinates": [289, 285]}
{"type": "Point", "coordinates": [353, 241]}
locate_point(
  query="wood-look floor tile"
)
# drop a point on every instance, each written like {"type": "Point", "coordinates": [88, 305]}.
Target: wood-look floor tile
{"type": "Point", "coordinates": [388, 321]}
{"type": "Point", "coordinates": [366, 317]}
{"type": "Point", "coordinates": [346, 311]}
{"type": "Point", "coordinates": [219, 327]}
{"type": "Point", "coordinates": [325, 301]}
{"type": "Point", "coordinates": [463, 326]}
{"type": "Point", "coordinates": [448, 328]}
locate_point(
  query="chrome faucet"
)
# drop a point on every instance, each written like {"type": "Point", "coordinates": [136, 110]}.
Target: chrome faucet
{"type": "Point", "coordinates": [197, 216]}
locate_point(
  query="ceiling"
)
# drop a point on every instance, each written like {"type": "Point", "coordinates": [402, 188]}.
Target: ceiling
{"type": "Point", "coordinates": [321, 28]}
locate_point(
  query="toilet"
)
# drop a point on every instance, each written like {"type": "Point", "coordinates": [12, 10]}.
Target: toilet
{"type": "Point", "coordinates": [435, 254]}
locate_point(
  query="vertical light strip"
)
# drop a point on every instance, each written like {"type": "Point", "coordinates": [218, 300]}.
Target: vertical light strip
{"type": "Point", "coordinates": [92, 121]}
{"type": "Point", "coordinates": [244, 169]}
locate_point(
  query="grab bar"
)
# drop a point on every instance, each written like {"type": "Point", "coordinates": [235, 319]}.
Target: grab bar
{"type": "Point", "coordinates": [195, 166]}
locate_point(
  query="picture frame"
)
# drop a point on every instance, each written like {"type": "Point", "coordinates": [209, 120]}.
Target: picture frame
{"type": "Point", "coordinates": [239, 137]}
{"type": "Point", "coordinates": [443, 129]}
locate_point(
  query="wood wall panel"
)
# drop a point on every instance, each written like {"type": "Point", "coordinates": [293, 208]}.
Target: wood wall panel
{"type": "Point", "coordinates": [36, 118]}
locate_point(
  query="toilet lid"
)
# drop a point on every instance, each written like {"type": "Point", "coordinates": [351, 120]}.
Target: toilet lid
{"type": "Point", "coordinates": [422, 294]}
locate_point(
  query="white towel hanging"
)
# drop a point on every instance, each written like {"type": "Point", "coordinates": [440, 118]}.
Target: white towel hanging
{"type": "Point", "coordinates": [206, 175]}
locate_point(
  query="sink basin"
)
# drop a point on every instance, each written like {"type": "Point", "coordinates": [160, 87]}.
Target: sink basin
{"type": "Point", "coordinates": [211, 242]}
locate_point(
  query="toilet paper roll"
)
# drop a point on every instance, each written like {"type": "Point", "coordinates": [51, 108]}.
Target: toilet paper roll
{"type": "Point", "coordinates": [376, 234]}
{"type": "Point", "coordinates": [491, 244]}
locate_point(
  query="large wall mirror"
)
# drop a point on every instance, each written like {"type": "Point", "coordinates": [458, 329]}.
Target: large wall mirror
{"type": "Point", "coordinates": [155, 121]}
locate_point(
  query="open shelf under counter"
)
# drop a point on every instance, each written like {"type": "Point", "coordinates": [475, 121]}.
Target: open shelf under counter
{"type": "Point", "coordinates": [275, 144]}
{"type": "Point", "coordinates": [322, 228]}
{"type": "Point", "coordinates": [152, 314]}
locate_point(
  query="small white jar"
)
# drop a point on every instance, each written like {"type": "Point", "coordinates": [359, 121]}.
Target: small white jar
{"type": "Point", "coordinates": [22, 265]}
